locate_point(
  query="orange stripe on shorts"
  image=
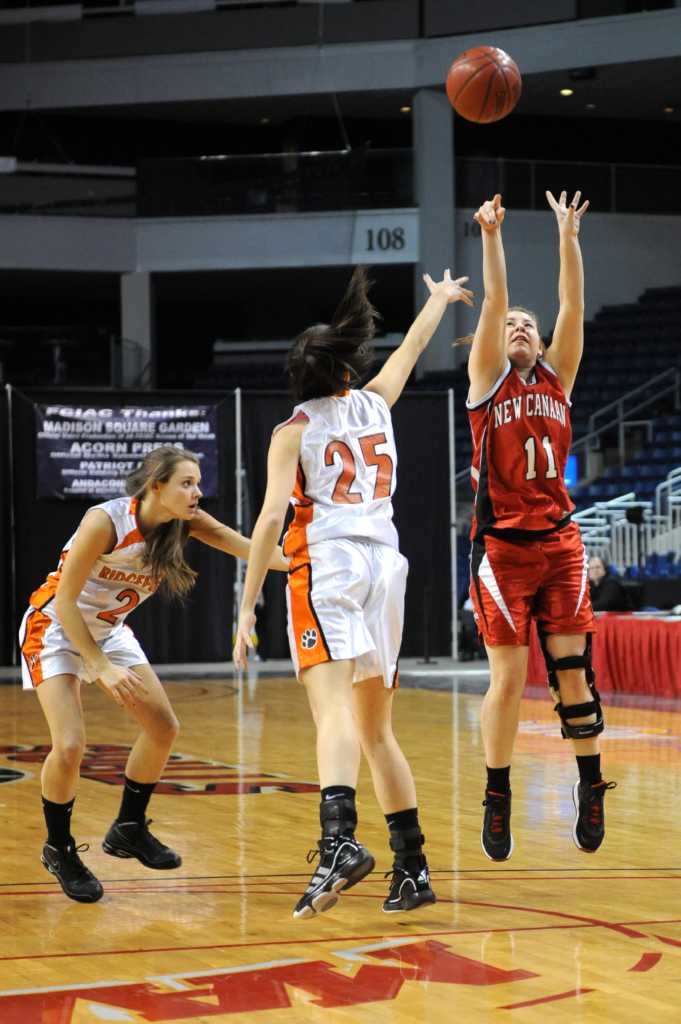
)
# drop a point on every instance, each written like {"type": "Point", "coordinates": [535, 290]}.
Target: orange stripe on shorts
{"type": "Point", "coordinates": [32, 647]}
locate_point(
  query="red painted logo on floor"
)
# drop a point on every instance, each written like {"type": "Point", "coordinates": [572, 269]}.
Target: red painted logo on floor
{"type": "Point", "coordinates": [264, 986]}
{"type": "Point", "coordinates": [183, 775]}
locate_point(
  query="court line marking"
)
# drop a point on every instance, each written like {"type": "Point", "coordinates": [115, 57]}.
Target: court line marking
{"type": "Point", "coordinates": [508, 874]}
{"type": "Point", "coordinates": [574, 922]}
{"type": "Point", "coordinates": [229, 888]}
{"type": "Point", "coordinates": [572, 994]}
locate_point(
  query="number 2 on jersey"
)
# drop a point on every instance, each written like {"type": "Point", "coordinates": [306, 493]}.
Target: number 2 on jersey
{"type": "Point", "coordinates": [531, 451]}
{"type": "Point", "coordinates": [342, 495]}
{"type": "Point", "coordinates": [129, 598]}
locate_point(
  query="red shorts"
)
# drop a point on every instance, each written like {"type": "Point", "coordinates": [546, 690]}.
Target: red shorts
{"type": "Point", "coordinates": [514, 581]}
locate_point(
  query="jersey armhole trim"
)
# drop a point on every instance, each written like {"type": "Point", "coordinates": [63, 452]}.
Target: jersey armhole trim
{"type": "Point", "coordinates": [495, 387]}
{"type": "Point", "coordinates": [297, 417]}
{"type": "Point", "coordinates": [551, 369]}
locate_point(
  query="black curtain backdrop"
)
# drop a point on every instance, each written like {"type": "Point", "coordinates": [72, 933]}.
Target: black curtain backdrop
{"type": "Point", "coordinates": [6, 615]}
{"type": "Point", "coordinates": [260, 413]}
{"type": "Point", "coordinates": [198, 630]}
{"type": "Point", "coordinates": [422, 516]}
{"type": "Point", "coordinates": [201, 629]}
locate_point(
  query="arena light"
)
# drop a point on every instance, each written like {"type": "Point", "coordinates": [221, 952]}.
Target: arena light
{"type": "Point", "coordinates": [567, 92]}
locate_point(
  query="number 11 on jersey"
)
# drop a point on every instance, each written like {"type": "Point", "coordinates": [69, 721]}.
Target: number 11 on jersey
{"type": "Point", "coordinates": [531, 452]}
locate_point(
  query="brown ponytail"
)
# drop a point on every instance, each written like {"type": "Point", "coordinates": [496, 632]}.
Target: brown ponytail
{"type": "Point", "coordinates": [164, 550]}
{"type": "Point", "coordinates": [327, 358]}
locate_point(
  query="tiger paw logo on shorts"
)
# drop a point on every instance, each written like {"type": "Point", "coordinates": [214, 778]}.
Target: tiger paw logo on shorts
{"type": "Point", "coordinates": [309, 639]}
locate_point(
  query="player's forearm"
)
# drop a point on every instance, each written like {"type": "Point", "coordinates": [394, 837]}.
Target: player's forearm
{"type": "Point", "coordinates": [494, 269]}
{"type": "Point", "coordinates": [263, 547]}
{"type": "Point", "coordinates": [424, 327]}
{"type": "Point", "coordinates": [73, 624]}
{"type": "Point", "coordinates": [225, 539]}
{"type": "Point", "coordinates": [571, 277]}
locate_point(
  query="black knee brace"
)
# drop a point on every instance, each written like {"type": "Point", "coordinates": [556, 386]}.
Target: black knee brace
{"type": "Point", "coordinates": [591, 707]}
{"type": "Point", "coordinates": [338, 817]}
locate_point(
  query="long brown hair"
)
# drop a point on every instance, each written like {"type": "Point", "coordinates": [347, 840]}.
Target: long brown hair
{"type": "Point", "coordinates": [327, 358]}
{"type": "Point", "coordinates": [164, 545]}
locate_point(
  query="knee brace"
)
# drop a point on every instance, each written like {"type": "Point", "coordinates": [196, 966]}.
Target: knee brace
{"type": "Point", "coordinates": [592, 707]}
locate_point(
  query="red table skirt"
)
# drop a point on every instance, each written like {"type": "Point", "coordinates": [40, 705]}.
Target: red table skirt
{"type": "Point", "coordinates": [630, 655]}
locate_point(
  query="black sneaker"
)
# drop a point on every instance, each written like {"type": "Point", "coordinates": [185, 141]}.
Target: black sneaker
{"type": "Point", "coordinates": [76, 880]}
{"type": "Point", "coordinates": [133, 839]}
{"type": "Point", "coordinates": [408, 889]}
{"type": "Point", "coordinates": [496, 839]}
{"type": "Point", "coordinates": [342, 863]}
{"type": "Point", "coordinates": [589, 826]}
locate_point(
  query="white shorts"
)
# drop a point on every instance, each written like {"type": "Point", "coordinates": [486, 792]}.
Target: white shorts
{"type": "Point", "coordinates": [46, 650]}
{"type": "Point", "coordinates": [347, 602]}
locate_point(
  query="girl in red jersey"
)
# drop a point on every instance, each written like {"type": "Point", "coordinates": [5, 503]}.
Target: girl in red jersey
{"type": "Point", "coordinates": [74, 629]}
{"type": "Point", "coordinates": [527, 558]}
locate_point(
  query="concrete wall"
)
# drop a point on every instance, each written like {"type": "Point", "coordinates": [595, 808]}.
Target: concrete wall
{"type": "Point", "coordinates": [213, 30]}
{"type": "Point", "coordinates": [403, 63]}
{"type": "Point", "coordinates": [623, 253]}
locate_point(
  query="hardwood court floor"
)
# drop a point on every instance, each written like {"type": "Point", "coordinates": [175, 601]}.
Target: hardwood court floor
{"type": "Point", "coordinates": [552, 935]}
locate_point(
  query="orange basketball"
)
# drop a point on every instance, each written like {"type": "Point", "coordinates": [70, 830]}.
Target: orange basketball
{"type": "Point", "coordinates": [484, 84]}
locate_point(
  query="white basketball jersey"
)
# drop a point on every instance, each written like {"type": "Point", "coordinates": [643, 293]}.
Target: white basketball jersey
{"type": "Point", "coordinates": [346, 473]}
{"type": "Point", "coordinates": [117, 583]}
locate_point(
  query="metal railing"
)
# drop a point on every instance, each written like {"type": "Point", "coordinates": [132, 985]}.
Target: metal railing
{"type": "Point", "coordinates": [611, 187]}
{"type": "Point", "coordinates": [621, 421]}
{"type": "Point", "coordinates": [608, 531]}
{"type": "Point", "coordinates": [668, 500]}
{"type": "Point", "coordinates": [359, 178]}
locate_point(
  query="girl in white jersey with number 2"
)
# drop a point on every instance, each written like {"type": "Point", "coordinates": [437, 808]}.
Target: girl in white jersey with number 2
{"type": "Point", "coordinates": [335, 460]}
{"type": "Point", "coordinates": [74, 629]}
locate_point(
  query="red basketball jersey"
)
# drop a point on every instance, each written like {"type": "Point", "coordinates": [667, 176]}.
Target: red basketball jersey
{"type": "Point", "coordinates": [521, 439]}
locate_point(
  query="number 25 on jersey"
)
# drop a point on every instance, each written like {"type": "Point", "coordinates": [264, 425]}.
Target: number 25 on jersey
{"type": "Point", "coordinates": [342, 493]}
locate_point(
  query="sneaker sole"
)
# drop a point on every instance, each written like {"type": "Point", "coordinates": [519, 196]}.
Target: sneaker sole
{"type": "Point", "coordinates": [497, 860]}
{"type": "Point", "coordinates": [71, 896]}
{"type": "Point", "coordinates": [575, 800]}
{"type": "Point", "coordinates": [329, 896]}
{"type": "Point", "coordinates": [413, 904]}
{"type": "Point", "coordinates": [119, 851]}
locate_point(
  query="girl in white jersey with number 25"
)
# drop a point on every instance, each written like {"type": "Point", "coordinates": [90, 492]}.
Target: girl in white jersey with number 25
{"type": "Point", "coordinates": [335, 461]}
{"type": "Point", "coordinates": [74, 629]}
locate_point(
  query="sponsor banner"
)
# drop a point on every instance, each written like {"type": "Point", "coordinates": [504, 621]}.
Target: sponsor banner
{"type": "Point", "coordinates": [87, 451]}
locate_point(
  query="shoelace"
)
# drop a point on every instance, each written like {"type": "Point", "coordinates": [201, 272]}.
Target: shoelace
{"type": "Point", "coordinates": [497, 825]}
{"type": "Point", "coordinates": [76, 861]}
{"type": "Point", "coordinates": [595, 798]}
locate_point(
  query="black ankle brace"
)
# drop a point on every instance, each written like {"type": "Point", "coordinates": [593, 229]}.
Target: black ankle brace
{"type": "Point", "coordinates": [338, 817]}
{"type": "Point", "coordinates": [407, 844]}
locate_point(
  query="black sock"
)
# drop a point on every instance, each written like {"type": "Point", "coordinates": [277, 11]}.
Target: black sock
{"type": "Point", "coordinates": [400, 821]}
{"type": "Point", "coordinates": [499, 780]}
{"type": "Point", "coordinates": [58, 821]}
{"type": "Point", "coordinates": [136, 796]}
{"type": "Point", "coordinates": [338, 792]}
{"type": "Point", "coordinates": [406, 840]}
{"type": "Point", "coordinates": [589, 769]}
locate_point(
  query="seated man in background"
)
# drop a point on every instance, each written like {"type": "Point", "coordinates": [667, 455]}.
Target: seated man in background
{"type": "Point", "coordinates": [607, 593]}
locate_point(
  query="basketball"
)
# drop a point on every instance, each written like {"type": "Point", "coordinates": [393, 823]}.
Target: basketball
{"type": "Point", "coordinates": [484, 84]}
